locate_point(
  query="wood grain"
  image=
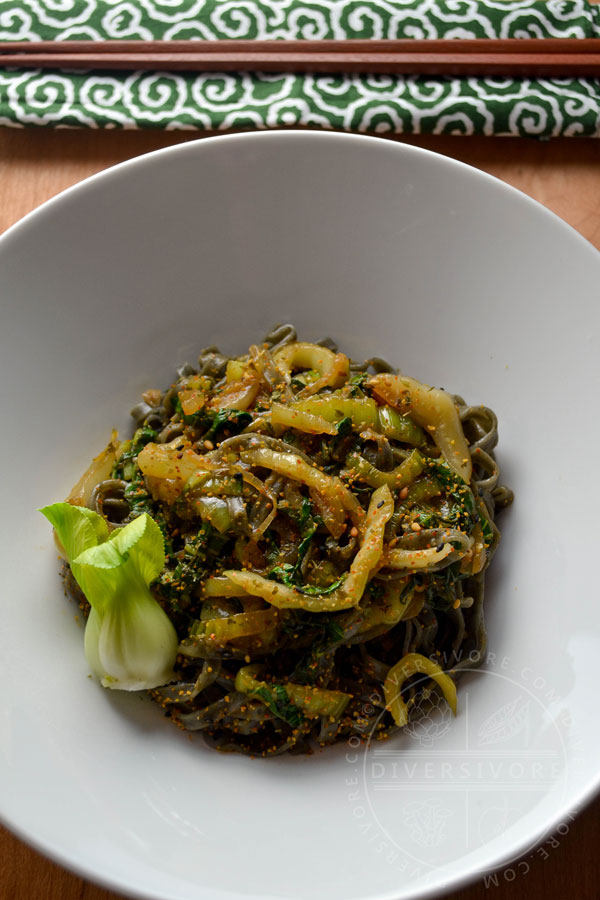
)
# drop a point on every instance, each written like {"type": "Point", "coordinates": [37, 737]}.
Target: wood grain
{"type": "Point", "coordinates": [372, 46]}
{"type": "Point", "coordinates": [564, 175]}
{"type": "Point", "coordinates": [537, 57]}
{"type": "Point", "coordinates": [565, 866]}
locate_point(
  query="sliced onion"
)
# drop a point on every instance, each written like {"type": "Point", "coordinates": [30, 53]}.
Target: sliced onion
{"type": "Point", "coordinates": [261, 487]}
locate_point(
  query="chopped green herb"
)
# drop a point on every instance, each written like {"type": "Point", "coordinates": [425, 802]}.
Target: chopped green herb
{"type": "Point", "coordinates": [235, 420]}
{"type": "Point", "coordinates": [276, 700]}
{"type": "Point", "coordinates": [344, 426]}
{"type": "Point", "coordinates": [463, 514]}
{"type": "Point", "coordinates": [283, 573]}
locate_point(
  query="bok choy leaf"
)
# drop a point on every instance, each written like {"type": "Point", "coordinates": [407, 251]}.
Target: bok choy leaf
{"type": "Point", "coordinates": [130, 643]}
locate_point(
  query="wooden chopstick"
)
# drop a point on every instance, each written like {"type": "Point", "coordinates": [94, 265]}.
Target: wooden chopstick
{"type": "Point", "coordinates": [550, 57]}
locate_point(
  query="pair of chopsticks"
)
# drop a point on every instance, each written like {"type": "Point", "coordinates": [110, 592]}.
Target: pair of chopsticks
{"type": "Point", "coordinates": [513, 57]}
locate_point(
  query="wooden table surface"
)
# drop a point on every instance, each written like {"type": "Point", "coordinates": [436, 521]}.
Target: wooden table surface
{"type": "Point", "coordinates": [564, 175]}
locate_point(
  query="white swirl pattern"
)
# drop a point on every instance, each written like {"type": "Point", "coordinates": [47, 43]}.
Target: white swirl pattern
{"type": "Point", "coordinates": [380, 104]}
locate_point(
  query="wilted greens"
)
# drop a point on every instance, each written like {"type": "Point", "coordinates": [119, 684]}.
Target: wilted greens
{"type": "Point", "coordinates": [291, 546]}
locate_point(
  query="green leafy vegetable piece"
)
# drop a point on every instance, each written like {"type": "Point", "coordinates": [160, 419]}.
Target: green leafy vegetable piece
{"type": "Point", "coordinates": [276, 700]}
{"type": "Point", "coordinates": [357, 384]}
{"type": "Point", "coordinates": [77, 527]}
{"type": "Point", "coordinates": [427, 519]}
{"type": "Point", "coordinates": [336, 632]}
{"type": "Point", "coordinates": [464, 513]}
{"type": "Point", "coordinates": [301, 516]}
{"type": "Point", "coordinates": [319, 659]}
{"type": "Point", "coordinates": [344, 426]}
{"type": "Point", "coordinates": [199, 420]}
{"type": "Point", "coordinates": [441, 590]}
{"type": "Point", "coordinates": [298, 622]}
{"type": "Point", "coordinates": [291, 575]}
{"type": "Point", "coordinates": [187, 567]}
{"type": "Point", "coordinates": [286, 701]}
{"type": "Point", "coordinates": [284, 572]}
{"type": "Point", "coordinates": [130, 643]}
{"type": "Point", "coordinates": [301, 379]}
{"type": "Point", "coordinates": [305, 542]}
{"type": "Point", "coordinates": [488, 534]}
{"type": "Point", "coordinates": [233, 419]}
{"type": "Point", "coordinates": [125, 467]}
{"type": "Point", "coordinates": [138, 497]}
{"type": "Point", "coordinates": [274, 696]}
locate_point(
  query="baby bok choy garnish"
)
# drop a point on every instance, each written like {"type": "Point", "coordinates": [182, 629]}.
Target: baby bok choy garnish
{"type": "Point", "coordinates": [130, 643]}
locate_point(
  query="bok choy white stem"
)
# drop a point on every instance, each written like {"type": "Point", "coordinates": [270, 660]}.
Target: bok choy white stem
{"type": "Point", "coordinates": [130, 643]}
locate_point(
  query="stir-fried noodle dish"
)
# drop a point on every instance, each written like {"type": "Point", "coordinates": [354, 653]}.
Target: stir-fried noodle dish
{"type": "Point", "coordinates": [290, 549]}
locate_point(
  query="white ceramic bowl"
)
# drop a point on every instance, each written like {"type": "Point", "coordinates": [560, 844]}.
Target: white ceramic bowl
{"type": "Point", "coordinates": [394, 251]}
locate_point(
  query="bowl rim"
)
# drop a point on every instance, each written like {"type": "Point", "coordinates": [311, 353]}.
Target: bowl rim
{"type": "Point", "coordinates": [572, 805]}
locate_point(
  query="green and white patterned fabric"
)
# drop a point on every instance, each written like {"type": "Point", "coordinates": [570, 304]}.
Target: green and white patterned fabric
{"type": "Point", "coordinates": [379, 104]}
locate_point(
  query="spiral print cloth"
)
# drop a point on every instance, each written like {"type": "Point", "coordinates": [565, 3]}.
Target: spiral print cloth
{"type": "Point", "coordinates": [360, 103]}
